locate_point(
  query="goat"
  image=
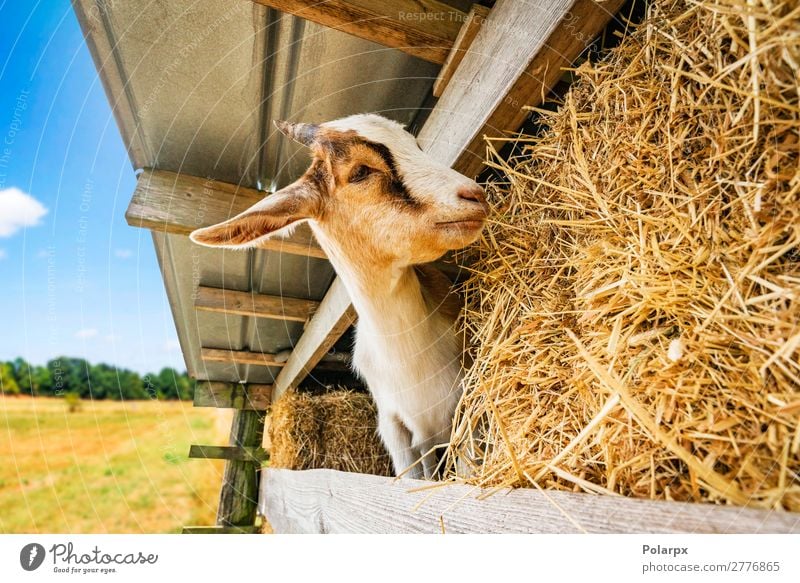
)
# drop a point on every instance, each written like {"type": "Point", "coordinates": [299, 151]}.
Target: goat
{"type": "Point", "coordinates": [381, 209]}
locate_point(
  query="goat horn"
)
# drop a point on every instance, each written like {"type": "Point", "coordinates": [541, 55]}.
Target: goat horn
{"type": "Point", "coordinates": [305, 133]}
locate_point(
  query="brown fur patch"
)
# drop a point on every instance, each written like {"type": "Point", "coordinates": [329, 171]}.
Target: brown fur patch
{"type": "Point", "coordinates": [318, 175]}
{"type": "Point", "coordinates": [346, 150]}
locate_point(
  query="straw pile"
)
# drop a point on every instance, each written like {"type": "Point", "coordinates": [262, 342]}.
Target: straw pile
{"type": "Point", "coordinates": [635, 310]}
{"type": "Point", "coordinates": [335, 430]}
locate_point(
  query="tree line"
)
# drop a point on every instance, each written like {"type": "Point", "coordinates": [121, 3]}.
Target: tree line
{"type": "Point", "coordinates": [64, 376]}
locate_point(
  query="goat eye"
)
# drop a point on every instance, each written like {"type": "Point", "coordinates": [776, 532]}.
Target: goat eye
{"type": "Point", "coordinates": [360, 172]}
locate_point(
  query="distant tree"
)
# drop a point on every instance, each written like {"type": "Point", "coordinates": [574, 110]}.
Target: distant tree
{"type": "Point", "coordinates": [69, 375]}
{"type": "Point", "coordinates": [32, 379]}
{"type": "Point", "coordinates": [42, 380]}
{"type": "Point", "coordinates": [130, 385]}
{"type": "Point", "coordinates": [185, 387]}
{"type": "Point", "coordinates": [8, 384]}
{"type": "Point", "coordinates": [23, 372]}
{"type": "Point", "coordinates": [103, 381]}
{"type": "Point", "coordinates": [64, 375]}
{"type": "Point", "coordinates": [171, 384]}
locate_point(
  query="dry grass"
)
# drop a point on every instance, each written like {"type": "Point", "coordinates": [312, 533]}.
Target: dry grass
{"type": "Point", "coordinates": [335, 430]}
{"type": "Point", "coordinates": [112, 467]}
{"type": "Point", "coordinates": [636, 305]}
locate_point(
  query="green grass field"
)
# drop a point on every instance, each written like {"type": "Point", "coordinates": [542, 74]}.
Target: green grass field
{"type": "Point", "coordinates": [109, 468]}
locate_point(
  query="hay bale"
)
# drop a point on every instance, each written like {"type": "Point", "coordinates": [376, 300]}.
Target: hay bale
{"type": "Point", "coordinates": [335, 430]}
{"type": "Point", "coordinates": [635, 311]}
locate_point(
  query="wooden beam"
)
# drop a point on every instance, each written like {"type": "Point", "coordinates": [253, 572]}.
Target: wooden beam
{"type": "Point", "coordinates": [227, 301]}
{"type": "Point", "coordinates": [254, 397]}
{"type": "Point", "coordinates": [333, 317]}
{"type": "Point", "coordinates": [422, 28]}
{"type": "Point", "coordinates": [266, 359]}
{"type": "Point", "coordinates": [469, 30]}
{"type": "Point", "coordinates": [515, 59]}
{"type": "Point", "coordinates": [180, 203]}
{"type": "Point", "coordinates": [323, 501]}
{"type": "Point", "coordinates": [254, 454]}
{"type": "Point", "coordinates": [239, 495]}
{"type": "Point", "coordinates": [239, 357]}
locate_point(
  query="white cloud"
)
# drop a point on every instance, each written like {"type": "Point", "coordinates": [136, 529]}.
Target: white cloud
{"type": "Point", "coordinates": [18, 210]}
{"type": "Point", "coordinates": [123, 253]}
{"type": "Point", "coordinates": [112, 338]}
{"type": "Point", "coordinates": [85, 333]}
{"type": "Point", "coordinates": [3, 254]}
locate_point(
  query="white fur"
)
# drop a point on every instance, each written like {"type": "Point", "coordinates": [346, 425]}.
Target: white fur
{"type": "Point", "coordinates": [409, 355]}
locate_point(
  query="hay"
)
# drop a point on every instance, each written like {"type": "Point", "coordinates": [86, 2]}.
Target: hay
{"type": "Point", "coordinates": [635, 308]}
{"type": "Point", "coordinates": [335, 430]}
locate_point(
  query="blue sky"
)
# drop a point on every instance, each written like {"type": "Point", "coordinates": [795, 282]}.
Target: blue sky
{"type": "Point", "coordinates": [75, 279]}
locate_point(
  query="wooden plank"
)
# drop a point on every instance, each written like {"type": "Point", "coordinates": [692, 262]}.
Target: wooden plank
{"type": "Point", "coordinates": [422, 28]}
{"type": "Point", "coordinates": [233, 395]}
{"type": "Point", "coordinates": [180, 203]}
{"type": "Point", "coordinates": [270, 360]}
{"type": "Point", "coordinates": [239, 357]}
{"type": "Point", "coordinates": [469, 30]}
{"type": "Point", "coordinates": [333, 317]}
{"type": "Point", "coordinates": [226, 452]}
{"type": "Point", "coordinates": [513, 62]}
{"type": "Point", "coordinates": [322, 501]}
{"type": "Point", "coordinates": [227, 301]}
{"type": "Point", "coordinates": [220, 530]}
{"type": "Point", "coordinates": [239, 494]}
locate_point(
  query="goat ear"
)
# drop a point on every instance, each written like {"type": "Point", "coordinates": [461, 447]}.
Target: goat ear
{"type": "Point", "coordinates": [296, 202]}
{"type": "Point", "coordinates": [305, 133]}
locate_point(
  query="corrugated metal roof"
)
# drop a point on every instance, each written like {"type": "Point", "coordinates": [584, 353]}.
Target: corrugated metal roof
{"type": "Point", "coordinates": [195, 86]}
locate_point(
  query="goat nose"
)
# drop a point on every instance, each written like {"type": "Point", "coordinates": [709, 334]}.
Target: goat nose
{"type": "Point", "coordinates": [473, 193]}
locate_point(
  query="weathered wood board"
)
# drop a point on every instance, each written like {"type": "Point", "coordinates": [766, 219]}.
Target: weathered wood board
{"type": "Point", "coordinates": [225, 395]}
{"type": "Point", "coordinates": [179, 203]}
{"type": "Point", "coordinates": [239, 357]}
{"type": "Point", "coordinates": [227, 301]}
{"type": "Point", "coordinates": [423, 28]}
{"type": "Point", "coordinates": [254, 454]}
{"type": "Point", "coordinates": [327, 501]}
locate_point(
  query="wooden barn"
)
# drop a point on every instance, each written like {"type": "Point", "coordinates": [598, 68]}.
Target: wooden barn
{"type": "Point", "coordinates": [194, 87]}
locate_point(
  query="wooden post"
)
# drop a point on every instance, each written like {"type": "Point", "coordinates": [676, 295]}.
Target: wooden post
{"type": "Point", "coordinates": [238, 499]}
